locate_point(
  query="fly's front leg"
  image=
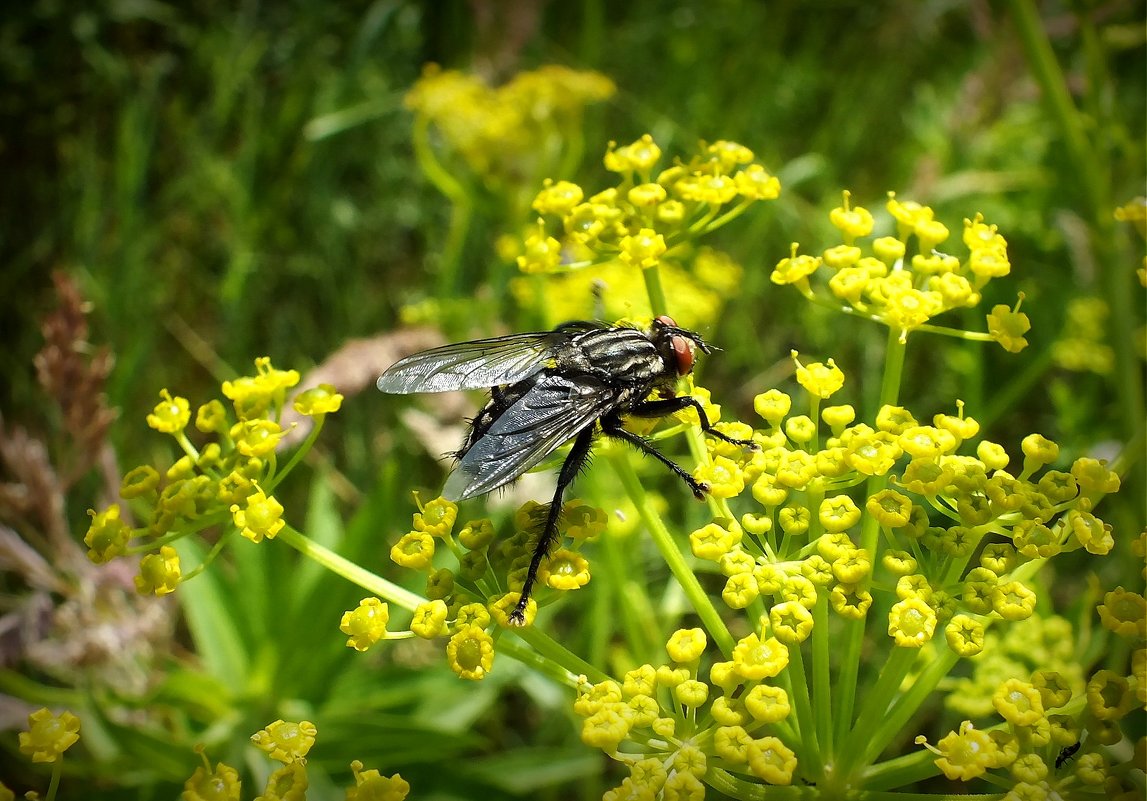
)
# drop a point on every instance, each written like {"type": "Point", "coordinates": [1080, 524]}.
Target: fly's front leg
{"type": "Point", "coordinates": [611, 427]}
{"type": "Point", "coordinates": [668, 406]}
{"type": "Point", "coordinates": [573, 464]}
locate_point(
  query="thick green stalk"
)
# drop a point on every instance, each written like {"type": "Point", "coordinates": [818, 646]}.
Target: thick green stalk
{"type": "Point", "coordinates": [869, 539]}
{"type": "Point", "coordinates": [1091, 167]}
{"type": "Point", "coordinates": [672, 555]}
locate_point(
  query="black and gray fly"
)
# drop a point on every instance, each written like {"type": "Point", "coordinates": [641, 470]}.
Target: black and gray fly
{"type": "Point", "coordinates": [550, 387]}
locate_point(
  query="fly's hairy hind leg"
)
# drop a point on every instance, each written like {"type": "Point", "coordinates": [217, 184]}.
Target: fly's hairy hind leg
{"type": "Point", "coordinates": [573, 464]}
{"type": "Point", "coordinates": [668, 406]}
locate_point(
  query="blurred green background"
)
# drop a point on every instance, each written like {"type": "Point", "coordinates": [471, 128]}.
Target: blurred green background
{"type": "Point", "coordinates": [229, 180]}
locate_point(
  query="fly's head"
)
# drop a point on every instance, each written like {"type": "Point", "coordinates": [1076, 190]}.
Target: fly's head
{"type": "Point", "coordinates": [677, 345]}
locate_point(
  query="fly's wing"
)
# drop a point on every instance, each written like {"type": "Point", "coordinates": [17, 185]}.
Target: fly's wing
{"type": "Point", "coordinates": [554, 410]}
{"type": "Point", "coordinates": [470, 365]}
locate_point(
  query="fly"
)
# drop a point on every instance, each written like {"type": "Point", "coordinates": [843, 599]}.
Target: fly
{"type": "Point", "coordinates": [550, 387]}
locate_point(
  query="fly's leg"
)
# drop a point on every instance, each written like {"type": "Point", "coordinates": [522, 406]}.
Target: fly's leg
{"type": "Point", "coordinates": [611, 427]}
{"type": "Point", "coordinates": [573, 464]}
{"type": "Point", "coordinates": [668, 406]}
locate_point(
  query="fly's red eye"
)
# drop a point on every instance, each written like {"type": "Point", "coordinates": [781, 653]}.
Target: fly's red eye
{"type": "Point", "coordinates": [667, 321]}
{"type": "Point", "coordinates": [683, 350]}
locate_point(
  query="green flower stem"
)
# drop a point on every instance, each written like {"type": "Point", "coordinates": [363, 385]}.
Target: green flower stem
{"type": "Point", "coordinates": [875, 707]}
{"type": "Point", "coordinates": [724, 782]}
{"type": "Point", "coordinates": [460, 203]}
{"type": "Point", "coordinates": [371, 582]}
{"type": "Point", "coordinates": [811, 750]}
{"type": "Point", "coordinates": [893, 370]}
{"type": "Point", "coordinates": [900, 771]}
{"type": "Point", "coordinates": [655, 291]}
{"type": "Point", "coordinates": [1092, 168]}
{"type": "Point", "coordinates": [549, 657]}
{"type": "Point", "coordinates": [892, 723]}
{"type": "Point", "coordinates": [729, 216]}
{"type": "Point", "coordinates": [227, 536]}
{"type": "Point", "coordinates": [296, 457]}
{"type": "Point", "coordinates": [672, 555]}
{"type": "Point", "coordinates": [821, 682]}
{"type": "Point", "coordinates": [830, 303]}
{"type": "Point", "coordinates": [54, 782]}
{"type": "Point", "coordinates": [570, 664]}
{"type": "Point", "coordinates": [1053, 83]}
{"type": "Point", "coordinates": [736, 787]}
{"type": "Point", "coordinates": [869, 539]}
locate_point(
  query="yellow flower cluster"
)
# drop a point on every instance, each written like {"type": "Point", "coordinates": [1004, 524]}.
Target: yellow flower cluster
{"type": "Point", "coordinates": [650, 218]}
{"type": "Point", "coordinates": [1052, 745]}
{"type": "Point", "coordinates": [497, 132]}
{"type": "Point", "coordinates": [223, 481]}
{"type": "Point", "coordinates": [906, 280]}
{"type": "Point", "coordinates": [466, 601]}
{"type": "Point", "coordinates": [802, 541]}
{"type": "Point", "coordinates": [668, 724]}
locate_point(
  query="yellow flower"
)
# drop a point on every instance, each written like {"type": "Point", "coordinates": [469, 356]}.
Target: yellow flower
{"type": "Point", "coordinates": [470, 652]}
{"type": "Point", "coordinates": [794, 269]}
{"type": "Point", "coordinates": [365, 625]}
{"type": "Point", "coordinates": [643, 249]}
{"type": "Point", "coordinates": [107, 536]}
{"type": "Point", "coordinates": [723, 477]}
{"type": "Point", "coordinates": [852, 221]}
{"type": "Point", "coordinates": [565, 570]}
{"type": "Point", "coordinates": [730, 154]}
{"type": "Point", "coordinates": [715, 190]}
{"type": "Point", "coordinates": [965, 635]}
{"type": "Point", "coordinates": [606, 728]}
{"type": "Point", "coordinates": [755, 660]}
{"type": "Point", "coordinates": [771, 760]}
{"type": "Point", "coordinates": [1124, 613]}
{"type": "Point", "coordinates": [1018, 702]}
{"type": "Point", "coordinates": [838, 513]}
{"type": "Point", "coordinates": [263, 517]}
{"type": "Point", "coordinates": [436, 518]}
{"type": "Point", "coordinates": [430, 619]}
{"type": "Point", "coordinates": [640, 156]}
{"type": "Point", "coordinates": [170, 415]}
{"type": "Point", "coordinates": [911, 622]}
{"type": "Point", "coordinates": [256, 438]}
{"type": "Point", "coordinates": [286, 742]}
{"type": "Point", "coordinates": [820, 380]}
{"type": "Point", "coordinates": [686, 645]}
{"type": "Point", "coordinates": [712, 541]}
{"type": "Point", "coordinates": [288, 783]}
{"type": "Point", "coordinates": [987, 263]}
{"type": "Point", "coordinates": [558, 198]}
{"type": "Point", "coordinates": [48, 735]}
{"type": "Point", "coordinates": [476, 534]}
{"type": "Point", "coordinates": [646, 195]}
{"type": "Point", "coordinates": [1008, 326]}
{"type": "Point", "coordinates": [767, 704]}
{"type": "Point", "coordinates": [966, 754]}
{"type": "Point", "coordinates": [318, 401]}
{"type": "Point", "coordinates": [159, 573]}
{"type": "Point", "coordinates": [414, 550]}
{"type": "Point", "coordinates": [542, 254]}
{"type": "Point", "coordinates": [791, 622]}
{"type": "Point", "coordinates": [755, 183]}
{"type": "Point", "coordinates": [205, 784]}
{"type": "Point", "coordinates": [370, 785]}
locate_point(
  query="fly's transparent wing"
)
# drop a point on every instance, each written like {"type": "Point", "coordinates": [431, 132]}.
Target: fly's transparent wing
{"type": "Point", "coordinates": [470, 365]}
{"type": "Point", "coordinates": [551, 413]}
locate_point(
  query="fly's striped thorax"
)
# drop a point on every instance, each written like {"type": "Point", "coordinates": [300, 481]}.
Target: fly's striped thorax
{"type": "Point", "coordinates": [625, 352]}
